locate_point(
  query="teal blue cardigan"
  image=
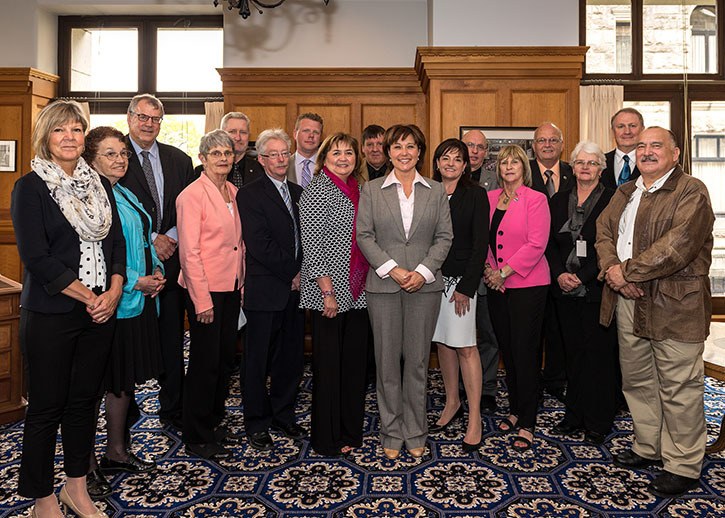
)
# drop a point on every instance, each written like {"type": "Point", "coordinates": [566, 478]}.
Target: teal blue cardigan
{"type": "Point", "coordinates": [132, 301]}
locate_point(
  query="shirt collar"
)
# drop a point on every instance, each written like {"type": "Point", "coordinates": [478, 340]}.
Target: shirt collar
{"type": "Point", "coordinates": [299, 159]}
{"type": "Point", "coordinates": [554, 169]}
{"type": "Point", "coordinates": [391, 179]}
{"type": "Point", "coordinates": [656, 185]}
{"type": "Point", "coordinates": [276, 182]}
{"type": "Point", "coordinates": [620, 155]}
{"type": "Point", "coordinates": [153, 150]}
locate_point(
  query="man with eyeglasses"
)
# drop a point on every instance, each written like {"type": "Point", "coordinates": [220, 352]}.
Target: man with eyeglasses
{"type": "Point", "coordinates": [308, 136]}
{"type": "Point", "coordinates": [270, 217]}
{"type": "Point", "coordinates": [486, 338]}
{"type": "Point", "coordinates": [621, 167]}
{"type": "Point", "coordinates": [550, 175]}
{"type": "Point", "coordinates": [157, 173]}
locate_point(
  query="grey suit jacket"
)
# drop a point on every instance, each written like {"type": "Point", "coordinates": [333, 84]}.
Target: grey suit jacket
{"type": "Point", "coordinates": [381, 237]}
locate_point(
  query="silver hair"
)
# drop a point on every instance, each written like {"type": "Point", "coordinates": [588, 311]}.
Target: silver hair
{"type": "Point", "coordinates": [271, 134]}
{"type": "Point", "coordinates": [215, 138]}
{"type": "Point", "coordinates": [152, 100]}
{"type": "Point", "coordinates": [234, 115]}
{"type": "Point", "coordinates": [592, 148]}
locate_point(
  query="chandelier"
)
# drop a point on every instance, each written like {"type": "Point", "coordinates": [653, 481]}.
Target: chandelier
{"type": "Point", "coordinates": [243, 5]}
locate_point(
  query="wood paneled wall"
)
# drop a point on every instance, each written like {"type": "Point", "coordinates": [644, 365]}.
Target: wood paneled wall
{"type": "Point", "coordinates": [502, 87]}
{"type": "Point", "coordinates": [23, 93]}
{"type": "Point", "coordinates": [347, 99]}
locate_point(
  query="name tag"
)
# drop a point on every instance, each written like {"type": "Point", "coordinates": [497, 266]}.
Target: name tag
{"type": "Point", "coordinates": [581, 248]}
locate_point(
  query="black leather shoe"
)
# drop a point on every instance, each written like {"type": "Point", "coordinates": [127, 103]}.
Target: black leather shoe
{"type": "Point", "coordinates": [435, 428]}
{"type": "Point", "coordinates": [132, 465]}
{"type": "Point", "coordinates": [291, 430]}
{"type": "Point", "coordinates": [173, 423]}
{"type": "Point", "coordinates": [669, 485]}
{"type": "Point", "coordinates": [224, 435]}
{"type": "Point", "coordinates": [565, 428]}
{"type": "Point", "coordinates": [558, 392]}
{"type": "Point", "coordinates": [629, 459]}
{"type": "Point", "coordinates": [206, 450]}
{"type": "Point", "coordinates": [261, 440]}
{"type": "Point", "coordinates": [595, 438]}
{"type": "Point", "coordinates": [488, 405]}
{"type": "Point", "coordinates": [97, 485]}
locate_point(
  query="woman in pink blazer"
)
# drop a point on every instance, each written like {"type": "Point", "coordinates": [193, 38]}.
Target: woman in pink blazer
{"type": "Point", "coordinates": [517, 275]}
{"type": "Point", "coordinates": [212, 274]}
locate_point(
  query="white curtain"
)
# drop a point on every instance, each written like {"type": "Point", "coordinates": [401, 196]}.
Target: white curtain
{"type": "Point", "coordinates": [597, 104]}
{"type": "Point", "coordinates": [87, 111]}
{"type": "Point", "coordinates": [214, 112]}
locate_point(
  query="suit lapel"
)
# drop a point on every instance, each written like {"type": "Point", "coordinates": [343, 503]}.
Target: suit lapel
{"type": "Point", "coordinates": [390, 195]}
{"type": "Point", "coordinates": [167, 170]}
{"type": "Point", "coordinates": [273, 193]}
{"type": "Point", "coordinates": [134, 167]}
{"type": "Point", "coordinates": [422, 196]}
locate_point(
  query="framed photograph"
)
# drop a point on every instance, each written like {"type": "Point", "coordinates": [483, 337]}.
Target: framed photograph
{"type": "Point", "coordinates": [8, 155]}
{"type": "Point", "coordinates": [501, 137]}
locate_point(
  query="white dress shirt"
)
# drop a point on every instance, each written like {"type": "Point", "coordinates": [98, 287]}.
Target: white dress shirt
{"type": "Point", "coordinates": [298, 161]}
{"type": "Point", "coordinates": [407, 206]}
{"type": "Point", "coordinates": [619, 162]}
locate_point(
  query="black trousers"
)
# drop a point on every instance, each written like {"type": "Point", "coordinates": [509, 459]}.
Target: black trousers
{"type": "Point", "coordinates": [592, 365]}
{"type": "Point", "coordinates": [171, 336]}
{"type": "Point", "coordinates": [66, 356]}
{"type": "Point", "coordinates": [553, 375]}
{"type": "Point", "coordinates": [211, 350]}
{"type": "Point", "coordinates": [274, 349]}
{"type": "Point", "coordinates": [516, 316]}
{"type": "Point", "coordinates": [339, 361]}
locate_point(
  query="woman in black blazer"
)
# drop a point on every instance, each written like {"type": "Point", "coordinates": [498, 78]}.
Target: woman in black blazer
{"type": "Point", "coordinates": [455, 330]}
{"type": "Point", "coordinates": [591, 349]}
{"type": "Point", "coordinates": [70, 241]}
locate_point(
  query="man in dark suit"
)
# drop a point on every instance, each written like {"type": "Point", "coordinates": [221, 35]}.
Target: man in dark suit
{"type": "Point", "coordinates": [621, 166]}
{"type": "Point", "coordinates": [245, 168]}
{"type": "Point", "coordinates": [157, 173]}
{"type": "Point", "coordinates": [550, 175]}
{"type": "Point", "coordinates": [271, 232]}
{"type": "Point", "coordinates": [372, 149]}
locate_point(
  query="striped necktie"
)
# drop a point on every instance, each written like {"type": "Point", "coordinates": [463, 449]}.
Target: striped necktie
{"type": "Point", "coordinates": [306, 174]}
{"type": "Point", "coordinates": [148, 172]}
{"type": "Point", "coordinates": [288, 202]}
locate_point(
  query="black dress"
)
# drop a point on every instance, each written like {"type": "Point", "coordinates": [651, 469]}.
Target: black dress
{"type": "Point", "coordinates": [136, 350]}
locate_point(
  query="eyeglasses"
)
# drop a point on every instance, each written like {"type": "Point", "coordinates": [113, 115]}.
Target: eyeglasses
{"type": "Point", "coordinates": [145, 118]}
{"type": "Point", "coordinates": [581, 163]}
{"type": "Point", "coordinates": [113, 156]}
{"type": "Point", "coordinates": [216, 154]}
{"type": "Point", "coordinates": [479, 147]}
{"type": "Point", "coordinates": [274, 155]}
{"type": "Point", "coordinates": [542, 141]}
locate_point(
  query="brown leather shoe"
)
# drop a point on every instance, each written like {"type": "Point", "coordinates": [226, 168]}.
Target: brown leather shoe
{"type": "Point", "coordinates": [391, 454]}
{"type": "Point", "coordinates": [417, 452]}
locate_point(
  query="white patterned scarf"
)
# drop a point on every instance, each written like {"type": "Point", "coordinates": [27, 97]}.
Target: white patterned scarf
{"type": "Point", "coordinates": [81, 197]}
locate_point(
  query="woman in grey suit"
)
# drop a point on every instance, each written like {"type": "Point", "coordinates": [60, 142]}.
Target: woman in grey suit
{"type": "Point", "coordinates": [404, 231]}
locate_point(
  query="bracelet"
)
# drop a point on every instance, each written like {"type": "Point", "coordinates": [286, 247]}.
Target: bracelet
{"type": "Point", "coordinates": [327, 293]}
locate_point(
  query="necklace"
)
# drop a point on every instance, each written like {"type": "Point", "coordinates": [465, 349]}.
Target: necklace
{"type": "Point", "coordinates": [507, 197]}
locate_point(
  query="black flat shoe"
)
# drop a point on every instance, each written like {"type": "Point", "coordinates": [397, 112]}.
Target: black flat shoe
{"type": "Point", "coordinates": [595, 438]}
{"type": "Point", "coordinates": [260, 440]}
{"type": "Point", "coordinates": [669, 485]}
{"type": "Point", "coordinates": [629, 459]}
{"type": "Point", "coordinates": [435, 428]}
{"type": "Point", "coordinates": [206, 451]}
{"type": "Point", "coordinates": [290, 430]}
{"type": "Point", "coordinates": [97, 485]}
{"type": "Point", "coordinates": [565, 428]}
{"type": "Point", "coordinates": [132, 465]}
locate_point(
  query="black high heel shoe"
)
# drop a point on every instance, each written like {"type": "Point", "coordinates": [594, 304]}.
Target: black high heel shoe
{"type": "Point", "coordinates": [435, 428]}
{"type": "Point", "coordinates": [470, 448]}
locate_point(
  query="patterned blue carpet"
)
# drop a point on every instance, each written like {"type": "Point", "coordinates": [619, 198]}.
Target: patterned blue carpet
{"type": "Point", "coordinates": [561, 477]}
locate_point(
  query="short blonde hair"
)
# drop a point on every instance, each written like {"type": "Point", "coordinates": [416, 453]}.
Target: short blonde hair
{"type": "Point", "coordinates": [514, 151]}
{"type": "Point", "coordinates": [53, 115]}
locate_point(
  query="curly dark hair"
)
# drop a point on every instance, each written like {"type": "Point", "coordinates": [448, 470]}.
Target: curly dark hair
{"type": "Point", "coordinates": [95, 137]}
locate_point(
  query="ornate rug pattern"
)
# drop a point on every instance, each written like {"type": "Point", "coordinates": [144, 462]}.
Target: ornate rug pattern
{"type": "Point", "coordinates": [560, 477]}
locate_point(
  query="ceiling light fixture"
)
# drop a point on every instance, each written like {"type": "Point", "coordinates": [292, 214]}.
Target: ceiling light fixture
{"type": "Point", "coordinates": [244, 5]}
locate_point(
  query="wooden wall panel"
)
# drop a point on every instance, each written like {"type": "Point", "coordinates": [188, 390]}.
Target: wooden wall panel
{"type": "Point", "coordinates": [11, 128]}
{"type": "Point", "coordinates": [264, 117]}
{"type": "Point", "coordinates": [10, 260]}
{"type": "Point", "coordinates": [466, 109]}
{"type": "Point", "coordinates": [532, 108]}
{"type": "Point", "coordinates": [337, 117]}
{"type": "Point", "coordinates": [387, 115]}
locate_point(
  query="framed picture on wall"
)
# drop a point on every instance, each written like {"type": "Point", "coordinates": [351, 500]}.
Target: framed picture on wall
{"type": "Point", "coordinates": [499, 137]}
{"type": "Point", "coordinates": [8, 155]}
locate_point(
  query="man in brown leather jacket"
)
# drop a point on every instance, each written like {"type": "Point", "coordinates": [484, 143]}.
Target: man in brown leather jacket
{"type": "Point", "coordinates": [654, 243]}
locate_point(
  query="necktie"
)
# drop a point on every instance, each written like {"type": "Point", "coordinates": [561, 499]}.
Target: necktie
{"type": "Point", "coordinates": [306, 174]}
{"type": "Point", "coordinates": [626, 172]}
{"type": "Point", "coordinates": [288, 203]}
{"type": "Point", "coordinates": [148, 172]}
{"type": "Point", "coordinates": [549, 183]}
{"type": "Point", "coordinates": [238, 174]}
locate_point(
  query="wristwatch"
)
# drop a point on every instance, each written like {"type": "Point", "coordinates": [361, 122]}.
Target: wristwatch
{"type": "Point", "coordinates": [502, 274]}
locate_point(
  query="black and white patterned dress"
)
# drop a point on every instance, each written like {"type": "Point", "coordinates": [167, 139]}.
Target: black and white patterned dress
{"type": "Point", "coordinates": [326, 219]}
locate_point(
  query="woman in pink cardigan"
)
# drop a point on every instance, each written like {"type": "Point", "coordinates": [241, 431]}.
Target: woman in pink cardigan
{"type": "Point", "coordinates": [517, 275]}
{"type": "Point", "coordinates": [212, 274]}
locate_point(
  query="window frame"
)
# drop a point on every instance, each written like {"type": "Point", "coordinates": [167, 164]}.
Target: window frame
{"type": "Point", "coordinates": [117, 102]}
{"type": "Point", "coordinates": [637, 10]}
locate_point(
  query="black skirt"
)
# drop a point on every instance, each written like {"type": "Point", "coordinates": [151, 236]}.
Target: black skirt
{"type": "Point", "coordinates": [135, 352]}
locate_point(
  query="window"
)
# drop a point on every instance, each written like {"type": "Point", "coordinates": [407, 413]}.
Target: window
{"type": "Point", "coordinates": [108, 60]}
{"type": "Point", "coordinates": [669, 42]}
